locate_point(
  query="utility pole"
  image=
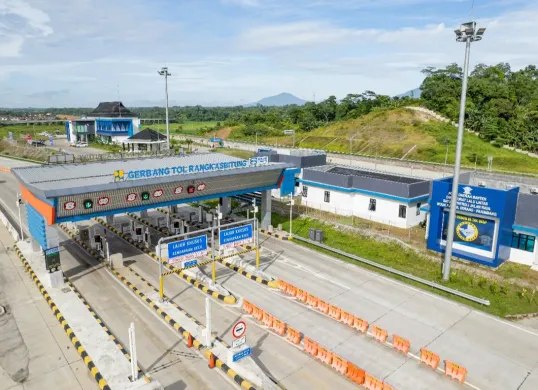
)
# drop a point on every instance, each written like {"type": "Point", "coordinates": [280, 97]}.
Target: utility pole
{"type": "Point", "coordinates": [466, 33]}
{"type": "Point", "coordinates": [164, 72]}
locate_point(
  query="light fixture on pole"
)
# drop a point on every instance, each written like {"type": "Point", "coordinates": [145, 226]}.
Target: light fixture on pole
{"type": "Point", "coordinates": [466, 33]}
{"type": "Point", "coordinates": [164, 72]}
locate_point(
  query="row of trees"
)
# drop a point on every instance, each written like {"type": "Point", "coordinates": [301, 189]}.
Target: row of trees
{"type": "Point", "coordinates": [502, 105]}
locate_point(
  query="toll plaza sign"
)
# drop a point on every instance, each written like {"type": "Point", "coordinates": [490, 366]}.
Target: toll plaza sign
{"type": "Point", "coordinates": [122, 175]}
{"type": "Point", "coordinates": [236, 236]}
{"type": "Point", "coordinates": [189, 248]}
{"type": "Point", "coordinates": [484, 219]}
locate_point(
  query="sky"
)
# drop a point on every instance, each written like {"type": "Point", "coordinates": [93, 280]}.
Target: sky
{"type": "Point", "coordinates": [66, 53]}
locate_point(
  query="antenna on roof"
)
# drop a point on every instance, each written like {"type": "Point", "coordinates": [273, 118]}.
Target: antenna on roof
{"type": "Point", "coordinates": [119, 105]}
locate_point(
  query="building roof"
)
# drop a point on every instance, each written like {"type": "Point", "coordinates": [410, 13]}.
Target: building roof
{"type": "Point", "coordinates": [112, 110]}
{"type": "Point", "coordinates": [50, 181]}
{"type": "Point", "coordinates": [348, 179]}
{"type": "Point", "coordinates": [373, 174]}
{"type": "Point", "coordinates": [147, 135]}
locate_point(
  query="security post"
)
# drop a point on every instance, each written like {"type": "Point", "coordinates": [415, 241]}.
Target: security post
{"type": "Point", "coordinates": [256, 226]}
{"type": "Point", "coordinates": [19, 204]}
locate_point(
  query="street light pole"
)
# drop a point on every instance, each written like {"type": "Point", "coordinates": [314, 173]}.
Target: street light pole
{"type": "Point", "coordinates": [466, 33]}
{"type": "Point", "coordinates": [164, 72]}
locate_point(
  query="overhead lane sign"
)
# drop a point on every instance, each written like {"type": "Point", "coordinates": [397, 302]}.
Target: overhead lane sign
{"type": "Point", "coordinates": [189, 248]}
{"type": "Point", "coordinates": [238, 235]}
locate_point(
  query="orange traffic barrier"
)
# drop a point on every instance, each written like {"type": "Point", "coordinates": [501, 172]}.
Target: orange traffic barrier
{"type": "Point", "coordinates": [347, 318]}
{"type": "Point", "coordinates": [294, 335]}
{"type": "Point", "coordinates": [282, 285]}
{"type": "Point", "coordinates": [301, 295]}
{"type": "Point", "coordinates": [429, 358]}
{"type": "Point", "coordinates": [455, 371]}
{"type": "Point", "coordinates": [372, 383]}
{"type": "Point", "coordinates": [310, 346]}
{"type": "Point", "coordinates": [355, 374]}
{"type": "Point", "coordinates": [291, 289]}
{"type": "Point", "coordinates": [312, 300]}
{"type": "Point", "coordinates": [335, 312]}
{"type": "Point", "coordinates": [7, 170]}
{"type": "Point", "coordinates": [247, 306]}
{"type": "Point", "coordinates": [323, 306]}
{"type": "Point", "coordinates": [380, 334]}
{"type": "Point", "coordinates": [325, 355]}
{"type": "Point", "coordinates": [340, 364]}
{"type": "Point", "coordinates": [400, 344]}
{"type": "Point", "coordinates": [268, 319]}
{"type": "Point", "coordinates": [279, 326]}
{"type": "Point", "coordinates": [189, 340]}
{"type": "Point", "coordinates": [386, 386]}
{"type": "Point", "coordinates": [211, 360]}
{"type": "Point", "coordinates": [360, 325]}
{"type": "Point", "coordinates": [257, 313]}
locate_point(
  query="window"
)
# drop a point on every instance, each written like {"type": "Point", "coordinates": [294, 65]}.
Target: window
{"type": "Point", "coordinates": [418, 208]}
{"type": "Point", "coordinates": [402, 212]}
{"type": "Point", "coordinates": [327, 197]}
{"type": "Point", "coordinates": [371, 206]}
{"type": "Point", "coordinates": [524, 242]}
{"type": "Point", "coordinates": [305, 191]}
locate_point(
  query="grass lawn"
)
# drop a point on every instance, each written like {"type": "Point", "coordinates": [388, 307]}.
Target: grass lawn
{"type": "Point", "coordinates": [244, 154]}
{"type": "Point", "coordinates": [22, 130]}
{"type": "Point", "coordinates": [189, 128]}
{"type": "Point", "coordinates": [506, 298]}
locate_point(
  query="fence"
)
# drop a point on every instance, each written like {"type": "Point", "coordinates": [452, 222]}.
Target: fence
{"type": "Point", "coordinates": [347, 217]}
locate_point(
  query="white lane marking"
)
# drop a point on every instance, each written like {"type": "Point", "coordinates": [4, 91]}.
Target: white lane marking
{"type": "Point", "coordinates": [446, 300]}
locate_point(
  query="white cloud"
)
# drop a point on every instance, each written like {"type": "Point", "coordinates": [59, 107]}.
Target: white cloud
{"type": "Point", "coordinates": [20, 21]}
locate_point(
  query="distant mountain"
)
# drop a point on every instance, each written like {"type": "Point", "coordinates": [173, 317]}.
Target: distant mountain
{"type": "Point", "coordinates": [282, 99]}
{"type": "Point", "coordinates": [414, 93]}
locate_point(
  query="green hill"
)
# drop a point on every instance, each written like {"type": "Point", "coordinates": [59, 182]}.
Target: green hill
{"type": "Point", "coordinates": [402, 132]}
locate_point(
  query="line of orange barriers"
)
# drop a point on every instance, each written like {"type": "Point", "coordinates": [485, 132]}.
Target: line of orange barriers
{"type": "Point", "coordinates": [342, 366]}
{"type": "Point", "coordinates": [399, 343]}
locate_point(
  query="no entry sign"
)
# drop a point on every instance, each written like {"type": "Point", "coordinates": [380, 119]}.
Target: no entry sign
{"type": "Point", "coordinates": [239, 329]}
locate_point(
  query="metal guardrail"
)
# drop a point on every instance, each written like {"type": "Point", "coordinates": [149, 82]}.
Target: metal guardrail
{"type": "Point", "coordinates": [396, 272]}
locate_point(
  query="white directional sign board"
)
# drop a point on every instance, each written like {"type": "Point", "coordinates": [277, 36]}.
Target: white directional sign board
{"type": "Point", "coordinates": [238, 342]}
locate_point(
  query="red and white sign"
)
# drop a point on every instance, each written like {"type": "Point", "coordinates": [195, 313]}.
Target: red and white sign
{"type": "Point", "coordinates": [103, 201]}
{"type": "Point", "coordinates": [201, 187]}
{"type": "Point", "coordinates": [70, 205]}
{"type": "Point", "coordinates": [131, 197]}
{"type": "Point", "coordinates": [158, 193]}
{"type": "Point", "coordinates": [178, 190]}
{"type": "Point", "coordinates": [239, 329]}
{"type": "Point", "coordinates": [28, 138]}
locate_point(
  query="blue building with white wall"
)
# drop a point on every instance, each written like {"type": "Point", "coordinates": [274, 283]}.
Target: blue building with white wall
{"type": "Point", "coordinates": [110, 122]}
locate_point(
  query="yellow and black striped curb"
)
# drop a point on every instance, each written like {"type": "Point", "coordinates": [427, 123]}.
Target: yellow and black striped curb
{"type": "Point", "coordinates": [144, 280]}
{"type": "Point", "coordinates": [178, 270]}
{"type": "Point", "coordinates": [225, 298]}
{"type": "Point", "coordinates": [276, 235]}
{"type": "Point", "coordinates": [68, 331]}
{"type": "Point", "coordinates": [184, 333]}
{"type": "Point", "coordinates": [105, 328]}
{"type": "Point", "coordinates": [218, 362]}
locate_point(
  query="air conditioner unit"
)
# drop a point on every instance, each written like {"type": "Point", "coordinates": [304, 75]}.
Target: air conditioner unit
{"type": "Point", "coordinates": [534, 190]}
{"type": "Point", "coordinates": [481, 184]}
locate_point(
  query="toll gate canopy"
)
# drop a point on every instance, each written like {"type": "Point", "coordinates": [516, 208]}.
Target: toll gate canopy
{"type": "Point", "coordinates": [74, 192]}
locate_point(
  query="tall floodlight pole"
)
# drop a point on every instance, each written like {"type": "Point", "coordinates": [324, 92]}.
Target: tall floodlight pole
{"type": "Point", "coordinates": [466, 33]}
{"type": "Point", "coordinates": [164, 72]}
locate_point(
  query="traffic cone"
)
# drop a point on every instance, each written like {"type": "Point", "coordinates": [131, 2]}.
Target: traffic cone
{"type": "Point", "coordinates": [212, 360]}
{"type": "Point", "coordinates": [189, 341]}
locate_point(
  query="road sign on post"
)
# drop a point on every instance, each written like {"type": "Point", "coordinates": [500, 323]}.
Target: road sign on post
{"type": "Point", "coordinates": [238, 235]}
{"type": "Point", "coordinates": [239, 329]}
{"type": "Point", "coordinates": [241, 354]}
{"type": "Point", "coordinates": [189, 248]}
